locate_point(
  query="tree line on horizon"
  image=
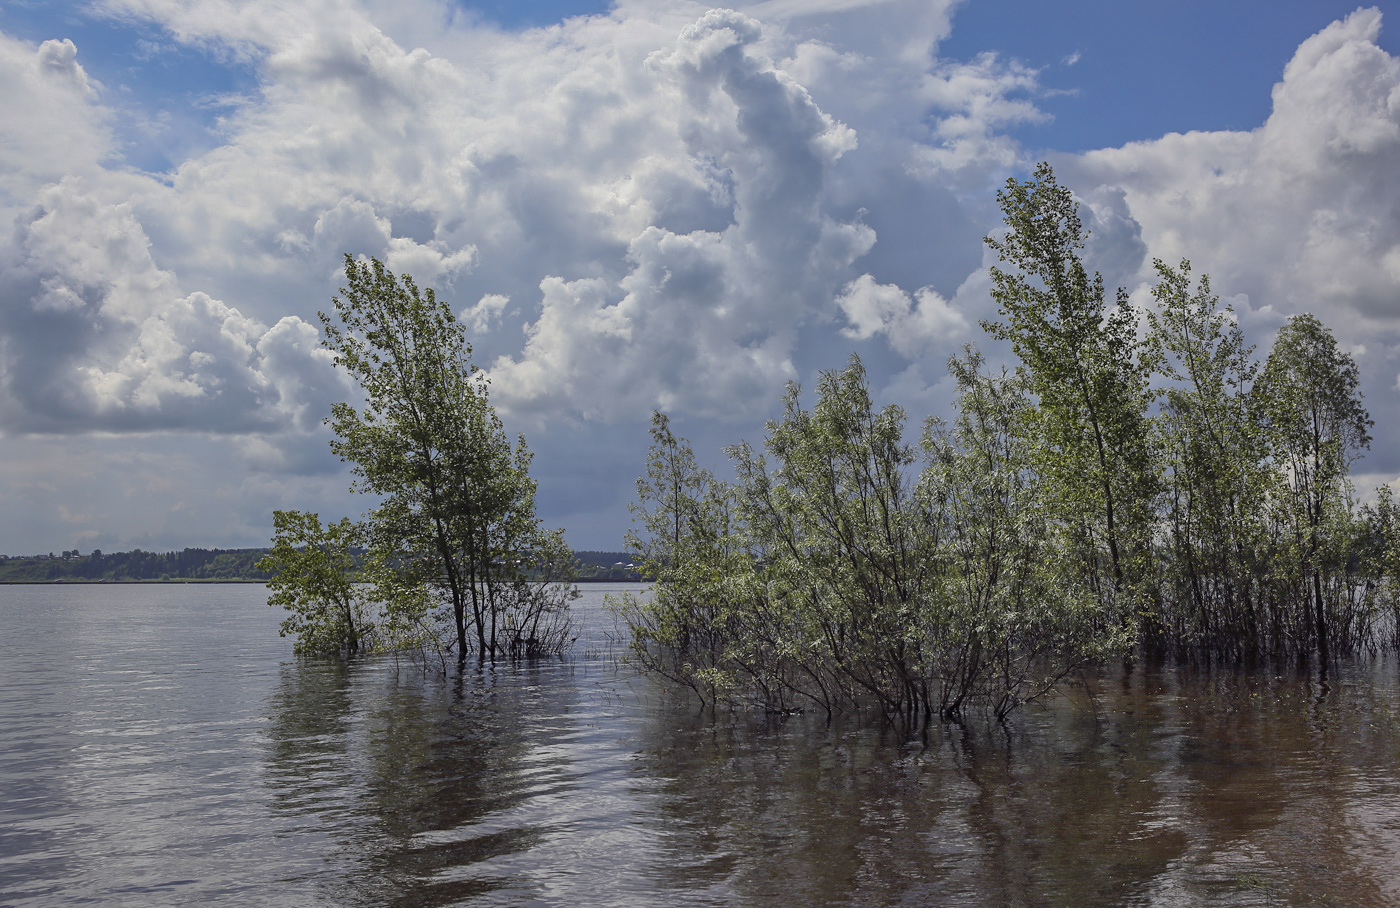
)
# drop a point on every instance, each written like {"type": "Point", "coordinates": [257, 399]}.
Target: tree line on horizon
{"type": "Point", "coordinates": [1139, 483]}
{"type": "Point", "coordinates": [186, 564]}
{"type": "Point", "coordinates": [228, 565]}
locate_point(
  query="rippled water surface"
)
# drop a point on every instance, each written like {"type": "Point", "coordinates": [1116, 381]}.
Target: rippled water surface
{"type": "Point", "coordinates": [160, 746]}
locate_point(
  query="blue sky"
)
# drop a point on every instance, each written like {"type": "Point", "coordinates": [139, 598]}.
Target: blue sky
{"type": "Point", "coordinates": [644, 205]}
{"type": "Point", "coordinates": [142, 68]}
{"type": "Point", "coordinates": [1144, 69]}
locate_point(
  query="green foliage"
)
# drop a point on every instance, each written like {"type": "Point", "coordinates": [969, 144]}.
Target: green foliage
{"type": "Point", "coordinates": [1057, 520]}
{"type": "Point", "coordinates": [1081, 365]}
{"type": "Point", "coordinates": [454, 539]}
{"type": "Point", "coordinates": [183, 566]}
{"type": "Point", "coordinates": [614, 566]}
{"type": "Point", "coordinates": [1214, 456]}
{"type": "Point", "coordinates": [1013, 616]}
{"type": "Point", "coordinates": [828, 574]}
{"type": "Point", "coordinates": [848, 551]}
{"type": "Point", "coordinates": [690, 549]}
{"type": "Point", "coordinates": [313, 578]}
{"type": "Point", "coordinates": [1316, 426]}
{"type": "Point", "coordinates": [1265, 551]}
{"type": "Point", "coordinates": [1380, 564]}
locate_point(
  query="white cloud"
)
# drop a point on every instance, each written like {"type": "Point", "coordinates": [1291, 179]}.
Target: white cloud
{"type": "Point", "coordinates": [52, 126]}
{"type": "Point", "coordinates": [659, 206]}
{"type": "Point", "coordinates": [683, 163]}
{"type": "Point", "coordinates": [1301, 213]}
{"type": "Point", "coordinates": [704, 320]}
{"type": "Point", "coordinates": [486, 314]}
{"type": "Point", "coordinates": [911, 325]}
{"type": "Point", "coordinates": [979, 101]}
{"type": "Point", "coordinates": [97, 336]}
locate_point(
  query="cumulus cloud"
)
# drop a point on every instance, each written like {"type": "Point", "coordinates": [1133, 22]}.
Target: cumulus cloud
{"type": "Point", "coordinates": [486, 314]}
{"type": "Point", "coordinates": [979, 101]}
{"type": "Point", "coordinates": [53, 126]}
{"type": "Point", "coordinates": [912, 325]}
{"type": "Point", "coordinates": [676, 155]}
{"type": "Point", "coordinates": [703, 320]}
{"type": "Point", "coordinates": [353, 224]}
{"type": "Point", "coordinates": [661, 206]}
{"type": "Point", "coordinates": [1301, 214]}
{"type": "Point", "coordinates": [97, 336]}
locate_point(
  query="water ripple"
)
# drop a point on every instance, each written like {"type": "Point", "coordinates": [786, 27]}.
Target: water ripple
{"type": "Point", "coordinates": [159, 746]}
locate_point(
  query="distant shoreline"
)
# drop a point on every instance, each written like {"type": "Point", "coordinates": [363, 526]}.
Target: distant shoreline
{"type": "Point", "coordinates": [224, 566]}
{"type": "Point", "coordinates": [85, 582]}
{"type": "Point", "coordinates": [207, 582]}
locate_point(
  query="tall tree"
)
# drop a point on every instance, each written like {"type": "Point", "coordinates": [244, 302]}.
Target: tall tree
{"type": "Point", "coordinates": [1311, 397]}
{"type": "Point", "coordinates": [1215, 464]}
{"type": "Point", "coordinates": [456, 513]}
{"type": "Point", "coordinates": [1009, 619]}
{"type": "Point", "coordinates": [1081, 365]}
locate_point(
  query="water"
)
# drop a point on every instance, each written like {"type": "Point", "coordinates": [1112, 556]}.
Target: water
{"type": "Point", "coordinates": [160, 746]}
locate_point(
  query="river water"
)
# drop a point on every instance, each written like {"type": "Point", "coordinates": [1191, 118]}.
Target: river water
{"type": "Point", "coordinates": [159, 745]}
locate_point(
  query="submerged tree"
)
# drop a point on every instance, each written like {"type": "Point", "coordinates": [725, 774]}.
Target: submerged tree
{"type": "Point", "coordinates": [455, 526]}
{"type": "Point", "coordinates": [1012, 616]}
{"type": "Point", "coordinates": [1081, 363]}
{"type": "Point", "coordinates": [848, 551]}
{"type": "Point", "coordinates": [1317, 427]}
{"type": "Point", "coordinates": [313, 569]}
{"type": "Point", "coordinates": [1214, 458]}
{"type": "Point", "coordinates": [1057, 520]}
{"type": "Point", "coordinates": [683, 630]}
{"type": "Point", "coordinates": [832, 572]}
{"type": "Point", "coordinates": [1380, 564]}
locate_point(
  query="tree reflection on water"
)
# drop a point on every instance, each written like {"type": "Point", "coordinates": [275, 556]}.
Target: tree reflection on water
{"type": "Point", "coordinates": [574, 783]}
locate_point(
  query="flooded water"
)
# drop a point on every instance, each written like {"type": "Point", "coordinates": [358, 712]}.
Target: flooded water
{"type": "Point", "coordinates": [160, 746]}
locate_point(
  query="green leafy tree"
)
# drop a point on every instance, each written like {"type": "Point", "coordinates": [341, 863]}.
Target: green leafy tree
{"type": "Point", "coordinates": [688, 627]}
{"type": "Point", "coordinates": [530, 602]}
{"type": "Point", "coordinates": [831, 573]}
{"type": "Point", "coordinates": [1381, 565]}
{"type": "Point", "coordinates": [847, 548]}
{"type": "Point", "coordinates": [1010, 620]}
{"type": "Point", "coordinates": [1082, 369]}
{"type": "Point", "coordinates": [1217, 475]}
{"type": "Point", "coordinates": [313, 577]}
{"type": "Point", "coordinates": [1317, 426]}
{"type": "Point", "coordinates": [454, 534]}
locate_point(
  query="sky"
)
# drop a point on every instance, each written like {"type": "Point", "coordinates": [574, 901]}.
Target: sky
{"type": "Point", "coordinates": [631, 205]}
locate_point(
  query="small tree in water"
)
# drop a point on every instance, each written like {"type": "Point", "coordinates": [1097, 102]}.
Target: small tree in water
{"type": "Point", "coordinates": [454, 545]}
{"type": "Point", "coordinates": [1080, 362]}
{"type": "Point", "coordinates": [312, 567]}
{"type": "Point", "coordinates": [1316, 426]}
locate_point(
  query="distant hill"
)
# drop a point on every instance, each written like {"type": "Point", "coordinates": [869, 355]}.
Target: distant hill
{"type": "Point", "coordinates": [216, 565]}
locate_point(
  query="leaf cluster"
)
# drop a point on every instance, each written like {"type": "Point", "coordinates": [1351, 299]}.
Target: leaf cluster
{"type": "Point", "coordinates": [456, 553]}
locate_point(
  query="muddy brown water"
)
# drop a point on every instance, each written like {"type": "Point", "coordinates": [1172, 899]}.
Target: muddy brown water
{"type": "Point", "coordinates": [160, 746]}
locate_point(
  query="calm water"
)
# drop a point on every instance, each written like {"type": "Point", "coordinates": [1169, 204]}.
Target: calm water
{"type": "Point", "coordinates": [160, 746]}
